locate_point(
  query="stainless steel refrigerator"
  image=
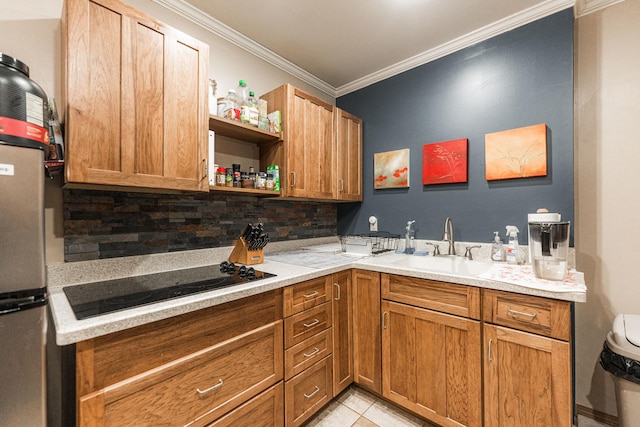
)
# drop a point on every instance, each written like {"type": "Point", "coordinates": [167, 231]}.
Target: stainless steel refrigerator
{"type": "Point", "coordinates": [22, 287]}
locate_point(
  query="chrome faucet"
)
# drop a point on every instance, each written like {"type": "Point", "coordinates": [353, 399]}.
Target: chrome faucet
{"type": "Point", "coordinates": [408, 238]}
{"type": "Point", "coordinates": [447, 236]}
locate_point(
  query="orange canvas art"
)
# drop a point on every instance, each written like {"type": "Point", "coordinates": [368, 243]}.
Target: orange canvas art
{"type": "Point", "coordinates": [516, 153]}
{"type": "Point", "coordinates": [391, 169]}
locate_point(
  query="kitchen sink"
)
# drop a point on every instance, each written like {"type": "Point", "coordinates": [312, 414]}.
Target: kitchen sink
{"type": "Point", "coordinates": [445, 264]}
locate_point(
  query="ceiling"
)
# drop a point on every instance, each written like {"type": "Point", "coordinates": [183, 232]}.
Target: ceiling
{"type": "Point", "coordinates": [342, 45]}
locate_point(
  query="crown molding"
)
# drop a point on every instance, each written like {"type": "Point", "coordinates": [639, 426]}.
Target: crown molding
{"type": "Point", "coordinates": [585, 7]}
{"type": "Point", "coordinates": [195, 15]}
{"type": "Point", "coordinates": [507, 24]}
{"type": "Point", "coordinates": [185, 10]}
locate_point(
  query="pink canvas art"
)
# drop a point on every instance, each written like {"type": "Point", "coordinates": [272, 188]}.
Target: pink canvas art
{"type": "Point", "coordinates": [516, 153]}
{"type": "Point", "coordinates": [444, 162]}
{"type": "Point", "coordinates": [391, 169]}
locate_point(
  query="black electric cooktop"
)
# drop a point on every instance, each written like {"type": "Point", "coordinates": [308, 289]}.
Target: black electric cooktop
{"type": "Point", "coordinates": [93, 299]}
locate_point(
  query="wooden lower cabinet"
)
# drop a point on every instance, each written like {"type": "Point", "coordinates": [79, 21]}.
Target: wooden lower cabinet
{"type": "Point", "coordinates": [194, 390]}
{"type": "Point", "coordinates": [307, 392]}
{"type": "Point", "coordinates": [342, 331]}
{"type": "Point", "coordinates": [367, 344]}
{"type": "Point", "coordinates": [264, 410]}
{"type": "Point", "coordinates": [527, 360]}
{"type": "Point", "coordinates": [431, 364]}
{"type": "Point", "coordinates": [309, 344]}
{"type": "Point", "coordinates": [185, 370]}
{"type": "Point", "coordinates": [419, 343]}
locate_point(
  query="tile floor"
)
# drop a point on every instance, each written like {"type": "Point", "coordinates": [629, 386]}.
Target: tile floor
{"type": "Point", "coordinates": [356, 407]}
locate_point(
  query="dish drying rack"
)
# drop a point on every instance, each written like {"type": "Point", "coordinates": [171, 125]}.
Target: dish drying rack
{"type": "Point", "coordinates": [369, 244]}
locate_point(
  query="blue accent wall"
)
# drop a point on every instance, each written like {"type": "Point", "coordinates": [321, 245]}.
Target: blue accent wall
{"type": "Point", "coordinates": [519, 78]}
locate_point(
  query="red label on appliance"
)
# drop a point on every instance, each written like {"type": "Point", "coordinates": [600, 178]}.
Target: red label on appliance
{"type": "Point", "coordinates": [22, 129]}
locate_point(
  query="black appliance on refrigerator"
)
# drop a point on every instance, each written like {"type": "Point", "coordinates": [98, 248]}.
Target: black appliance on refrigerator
{"type": "Point", "coordinates": [24, 134]}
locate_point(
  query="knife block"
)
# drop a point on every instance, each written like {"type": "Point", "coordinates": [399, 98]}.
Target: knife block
{"type": "Point", "coordinates": [243, 255]}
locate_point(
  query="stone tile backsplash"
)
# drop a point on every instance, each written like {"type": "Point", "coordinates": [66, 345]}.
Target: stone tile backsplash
{"type": "Point", "coordinates": [109, 224]}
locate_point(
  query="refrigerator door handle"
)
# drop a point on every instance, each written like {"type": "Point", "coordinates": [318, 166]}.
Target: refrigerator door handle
{"type": "Point", "coordinates": [11, 306]}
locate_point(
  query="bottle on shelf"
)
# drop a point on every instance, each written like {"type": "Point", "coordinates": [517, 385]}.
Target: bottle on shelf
{"type": "Point", "coordinates": [213, 100]}
{"type": "Point", "coordinates": [252, 103]}
{"type": "Point", "coordinates": [228, 106]}
{"type": "Point", "coordinates": [242, 93]}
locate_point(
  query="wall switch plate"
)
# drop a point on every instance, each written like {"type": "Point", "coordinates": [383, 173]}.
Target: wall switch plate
{"type": "Point", "coordinates": [373, 223]}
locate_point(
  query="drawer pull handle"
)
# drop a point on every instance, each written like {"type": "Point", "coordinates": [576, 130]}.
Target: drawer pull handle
{"type": "Point", "coordinates": [315, 351]}
{"type": "Point", "coordinates": [210, 388]}
{"type": "Point", "coordinates": [317, 389]}
{"type": "Point", "coordinates": [521, 313]}
{"type": "Point", "coordinates": [337, 285]}
{"type": "Point", "coordinates": [314, 323]}
{"type": "Point", "coordinates": [311, 295]}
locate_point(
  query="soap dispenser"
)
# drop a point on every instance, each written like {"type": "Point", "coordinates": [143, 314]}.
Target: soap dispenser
{"type": "Point", "coordinates": [497, 248]}
{"type": "Point", "coordinates": [512, 247]}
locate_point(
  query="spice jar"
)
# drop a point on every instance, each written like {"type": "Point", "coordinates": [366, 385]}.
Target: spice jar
{"type": "Point", "coordinates": [237, 178]}
{"type": "Point", "coordinates": [221, 176]}
{"type": "Point", "coordinates": [228, 179]}
{"type": "Point", "coordinates": [269, 182]}
{"type": "Point", "coordinates": [261, 180]}
{"type": "Point", "coordinates": [246, 181]}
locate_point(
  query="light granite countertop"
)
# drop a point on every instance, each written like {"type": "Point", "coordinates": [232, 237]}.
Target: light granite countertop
{"type": "Point", "coordinates": [288, 261]}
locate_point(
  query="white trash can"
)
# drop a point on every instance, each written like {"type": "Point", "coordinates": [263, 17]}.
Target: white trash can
{"type": "Point", "coordinates": [620, 356]}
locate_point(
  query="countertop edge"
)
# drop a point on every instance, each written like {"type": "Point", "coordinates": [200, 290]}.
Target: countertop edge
{"type": "Point", "coordinates": [69, 330]}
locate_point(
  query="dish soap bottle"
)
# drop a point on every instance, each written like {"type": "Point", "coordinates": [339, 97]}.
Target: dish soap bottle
{"type": "Point", "coordinates": [497, 248]}
{"type": "Point", "coordinates": [512, 246]}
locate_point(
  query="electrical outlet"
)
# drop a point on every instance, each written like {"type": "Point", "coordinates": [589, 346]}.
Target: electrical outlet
{"type": "Point", "coordinates": [373, 223]}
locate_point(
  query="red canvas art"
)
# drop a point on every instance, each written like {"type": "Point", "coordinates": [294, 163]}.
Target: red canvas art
{"type": "Point", "coordinates": [444, 162]}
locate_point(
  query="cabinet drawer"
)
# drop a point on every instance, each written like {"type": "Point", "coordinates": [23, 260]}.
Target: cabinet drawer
{"type": "Point", "coordinates": [308, 392]}
{"type": "Point", "coordinates": [305, 295]}
{"type": "Point", "coordinates": [194, 390]}
{"type": "Point", "coordinates": [543, 316]}
{"type": "Point", "coordinates": [113, 358]}
{"type": "Point", "coordinates": [460, 300]}
{"type": "Point", "coordinates": [301, 326]}
{"type": "Point", "coordinates": [304, 354]}
{"type": "Point", "coordinates": [264, 410]}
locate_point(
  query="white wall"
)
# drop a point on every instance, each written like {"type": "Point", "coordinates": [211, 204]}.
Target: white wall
{"type": "Point", "coordinates": [607, 189]}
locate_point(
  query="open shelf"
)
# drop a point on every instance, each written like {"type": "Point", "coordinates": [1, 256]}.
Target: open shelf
{"type": "Point", "coordinates": [236, 130]}
{"type": "Point", "coordinates": [248, 191]}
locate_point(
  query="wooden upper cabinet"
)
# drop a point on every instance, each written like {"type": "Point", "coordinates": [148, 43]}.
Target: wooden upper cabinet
{"type": "Point", "coordinates": [308, 152]}
{"type": "Point", "coordinates": [136, 99]}
{"type": "Point", "coordinates": [348, 156]}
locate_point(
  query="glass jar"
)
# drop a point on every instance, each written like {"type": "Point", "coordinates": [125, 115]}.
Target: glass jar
{"type": "Point", "coordinates": [261, 180]}
{"type": "Point", "coordinates": [228, 179]}
{"type": "Point", "coordinates": [269, 182]}
{"type": "Point", "coordinates": [221, 177]}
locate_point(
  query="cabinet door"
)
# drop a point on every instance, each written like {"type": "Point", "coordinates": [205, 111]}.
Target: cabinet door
{"type": "Point", "coordinates": [310, 147]}
{"type": "Point", "coordinates": [527, 379]}
{"type": "Point", "coordinates": [348, 156]}
{"type": "Point", "coordinates": [342, 332]}
{"type": "Point", "coordinates": [367, 347]}
{"type": "Point", "coordinates": [136, 94]}
{"type": "Point", "coordinates": [431, 364]}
